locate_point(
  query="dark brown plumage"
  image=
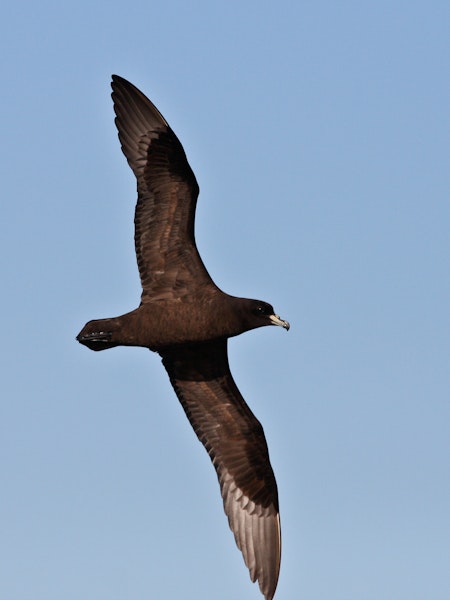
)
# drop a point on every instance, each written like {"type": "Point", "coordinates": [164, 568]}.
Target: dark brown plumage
{"type": "Point", "coordinates": [187, 319]}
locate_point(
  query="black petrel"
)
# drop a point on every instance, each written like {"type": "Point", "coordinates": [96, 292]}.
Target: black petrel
{"type": "Point", "coordinates": [187, 319]}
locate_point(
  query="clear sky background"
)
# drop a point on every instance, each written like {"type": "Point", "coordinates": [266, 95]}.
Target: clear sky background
{"type": "Point", "coordinates": [319, 135]}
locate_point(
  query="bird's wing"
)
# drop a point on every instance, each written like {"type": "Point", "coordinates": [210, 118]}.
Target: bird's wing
{"type": "Point", "coordinates": [169, 263]}
{"type": "Point", "coordinates": [235, 442]}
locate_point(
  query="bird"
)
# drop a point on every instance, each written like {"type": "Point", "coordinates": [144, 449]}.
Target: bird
{"type": "Point", "coordinates": [185, 318]}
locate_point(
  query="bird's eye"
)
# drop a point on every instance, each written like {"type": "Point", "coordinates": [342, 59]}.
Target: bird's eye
{"type": "Point", "coordinates": [262, 310]}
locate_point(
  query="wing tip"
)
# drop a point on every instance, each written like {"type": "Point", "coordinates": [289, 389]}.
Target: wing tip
{"type": "Point", "coordinates": [258, 537]}
{"type": "Point", "coordinates": [126, 94]}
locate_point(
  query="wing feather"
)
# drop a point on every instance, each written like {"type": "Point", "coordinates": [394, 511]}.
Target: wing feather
{"type": "Point", "coordinates": [235, 442]}
{"type": "Point", "coordinates": [169, 264]}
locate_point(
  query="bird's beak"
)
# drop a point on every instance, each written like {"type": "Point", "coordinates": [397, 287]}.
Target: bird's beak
{"type": "Point", "coordinates": [277, 321]}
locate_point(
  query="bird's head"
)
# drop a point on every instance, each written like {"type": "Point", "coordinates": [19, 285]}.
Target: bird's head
{"type": "Point", "coordinates": [259, 314]}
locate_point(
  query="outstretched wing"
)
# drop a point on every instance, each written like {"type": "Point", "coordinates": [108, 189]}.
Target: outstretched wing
{"type": "Point", "coordinates": [168, 260]}
{"type": "Point", "coordinates": [235, 442]}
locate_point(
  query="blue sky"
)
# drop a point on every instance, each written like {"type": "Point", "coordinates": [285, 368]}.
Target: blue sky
{"type": "Point", "coordinates": [319, 134]}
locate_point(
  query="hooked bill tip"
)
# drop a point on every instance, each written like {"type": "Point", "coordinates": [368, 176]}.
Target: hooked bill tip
{"type": "Point", "coordinates": [276, 320]}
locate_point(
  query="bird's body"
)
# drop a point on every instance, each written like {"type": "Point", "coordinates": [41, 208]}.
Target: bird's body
{"type": "Point", "coordinates": [151, 325]}
{"type": "Point", "coordinates": [187, 319]}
